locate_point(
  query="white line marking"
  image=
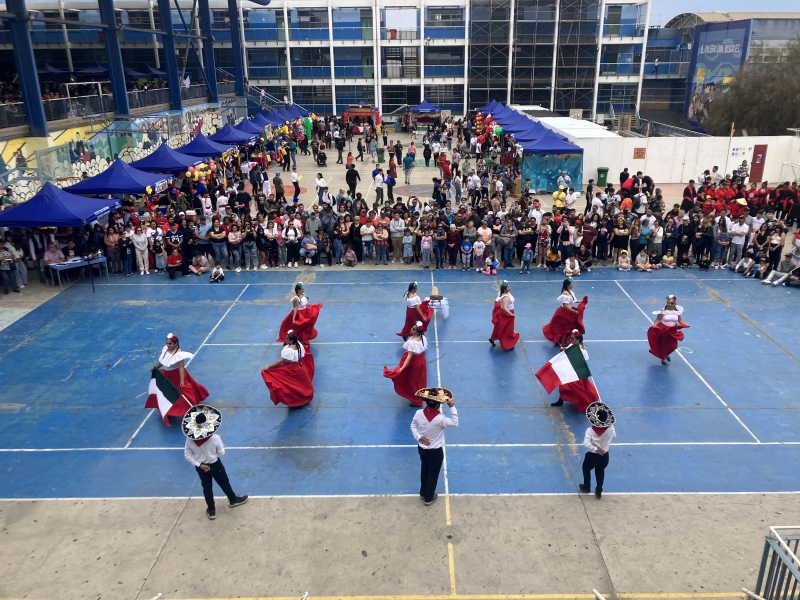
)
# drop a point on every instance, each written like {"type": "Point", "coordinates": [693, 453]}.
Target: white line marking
{"type": "Point", "coordinates": [200, 347]}
{"type": "Point", "coordinates": [441, 341]}
{"type": "Point", "coordinates": [688, 364]}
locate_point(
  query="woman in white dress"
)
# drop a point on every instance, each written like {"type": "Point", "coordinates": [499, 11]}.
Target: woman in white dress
{"type": "Point", "coordinates": [417, 309]}
{"type": "Point", "coordinates": [172, 364]}
{"type": "Point", "coordinates": [568, 316]}
{"type": "Point", "coordinates": [411, 374]}
{"type": "Point", "coordinates": [289, 379]}
{"type": "Point", "coordinates": [503, 319]}
{"type": "Point", "coordinates": [666, 332]}
{"type": "Point", "coordinates": [302, 318]}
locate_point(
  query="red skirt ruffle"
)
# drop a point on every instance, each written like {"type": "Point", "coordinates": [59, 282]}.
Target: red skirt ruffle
{"type": "Point", "coordinates": [290, 383]}
{"type": "Point", "coordinates": [664, 340]}
{"type": "Point", "coordinates": [194, 392]}
{"type": "Point", "coordinates": [411, 379]}
{"type": "Point", "coordinates": [303, 324]}
{"type": "Point", "coordinates": [412, 316]}
{"type": "Point", "coordinates": [564, 321]}
{"type": "Point", "coordinates": [503, 328]}
{"type": "Point", "coordinates": [581, 393]}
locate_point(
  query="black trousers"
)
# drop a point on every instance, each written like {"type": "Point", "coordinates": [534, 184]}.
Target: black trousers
{"type": "Point", "coordinates": [597, 462]}
{"type": "Point", "coordinates": [216, 473]}
{"type": "Point", "coordinates": [431, 464]}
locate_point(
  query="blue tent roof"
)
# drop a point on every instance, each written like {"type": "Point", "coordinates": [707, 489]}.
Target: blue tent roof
{"type": "Point", "coordinates": [272, 117]}
{"type": "Point", "coordinates": [48, 69]}
{"type": "Point", "coordinates": [260, 120]}
{"type": "Point", "coordinates": [297, 112]}
{"type": "Point", "coordinates": [248, 127]}
{"type": "Point", "coordinates": [489, 107]}
{"type": "Point", "coordinates": [425, 107]}
{"type": "Point", "coordinates": [533, 131]}
{"type": "Point", "coordinates": [284, 115]}
{"type": "Point", "coordinates": [120, 178]}
{"type": "Point", "coordinates": [94, 70]}
{"type": "Point", "coordinates": [550, 143]}
{"type": "Point", "coordinates": [165, 160]}
{"type": "Point", "coordinates": [145, 68]}
{"type": "Point", "coordinates": [202, 147]}
{"type": "Point", "coordinates": [131, 74]}
{"type": "Point", "coordinates": [229, 135]}
{"type": "Point", "coordinates": [53, 207]}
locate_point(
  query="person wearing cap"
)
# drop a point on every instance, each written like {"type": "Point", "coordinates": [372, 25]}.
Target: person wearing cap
{"type": "Point", "coordinates": [597, 441]}
{"type": "Point", "coordinates": [428, 427]}
{"type": "Point", "coordinates": [411, 374]}
{"type": "Point", "coordinates": [666, 331]}
{"type": "Point", "coordinates": [504, 319]}
{"type": "Point", "coordinates": [203, 449]}
{"type": "Point", "coordinates": [290, 378]}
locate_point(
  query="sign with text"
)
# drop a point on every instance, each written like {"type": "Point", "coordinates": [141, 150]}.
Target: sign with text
{"type": "Point", "coordinates": [639, 153]}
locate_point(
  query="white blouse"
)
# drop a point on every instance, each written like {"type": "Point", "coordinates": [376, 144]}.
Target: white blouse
{"type": "Point", "coordinates": [413, 301]}
{"type": "Point", "coordinates": [290, 354]}
{"type": "Point", "coordinates": [670, 318]}
{"type": "Point", "coordinates": [300, 301]}
{"type": "Point", "coordinates": [415, 346]}
{"type": "Point", "coordinates": [169, 362]}
{"type": "Point", "coordinates": [510, 300]}
{"type": "Point", "coordinates": [568, 298]}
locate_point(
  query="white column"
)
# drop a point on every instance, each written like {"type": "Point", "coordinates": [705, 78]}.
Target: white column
{"type": "Point", "coordinates": [644, 53]}
{"type": "Point", "coordinates": [155, 37]}
{"type": "Point", "coordinates": [512, 35]}
{"type": "Point", "coordinates": [376, 52]}
{"type": "Point", "coordinates": [243, 49]}
{"type": "Point", "coordinates": [288, 51]}
{"type": "Point", "coordinates": [555, 56]}
{"type": "Point", "coordinates": [422, 47]}
{"type": "Point", "coordinates": [330, 51]}
{"type": "Point", "coordinates": [466, 58]}
{"type": "Point", "coordinates": [67, 44]}
{"type": "Point", "coordinates": [599, 55]}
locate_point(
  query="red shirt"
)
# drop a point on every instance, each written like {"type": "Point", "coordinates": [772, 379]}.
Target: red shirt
{"type": "Point", "coordinates": [173, 260]}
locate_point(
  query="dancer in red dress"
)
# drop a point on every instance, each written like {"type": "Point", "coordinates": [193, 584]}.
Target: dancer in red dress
{"type": "Point", "coordinates": [411, 375]}
{"type": "Point", "coordinates": [289, 379]}
{"type": "Point", "coordinates": [302, 317]}
{"type": "Point", "coordinates": [567, 317]}
{"type": "Point", "coordinates": [582, 392]}
{"type": "Point", "coordinates": [172, 363]}
{"type": "Point", "coordinates": [503, 319]}
{"type": "Point", "coordinates": [666, 332]}
{"type": "Point", "coordinates": [416, 310]}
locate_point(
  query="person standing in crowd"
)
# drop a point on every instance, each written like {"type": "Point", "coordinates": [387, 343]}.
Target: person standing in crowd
{"type": "Point", "coordinates": [597, 441]}
{"type": "Point", "coordinates": [428, 427]}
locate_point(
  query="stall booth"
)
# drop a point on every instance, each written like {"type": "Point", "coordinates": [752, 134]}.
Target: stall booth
{"type": "Point", "coordinates": [424, 114]}
{"type": "Point", "coordinates": [362, 115]}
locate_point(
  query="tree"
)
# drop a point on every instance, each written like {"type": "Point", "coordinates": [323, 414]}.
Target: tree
{"type": "Point", "coordinates": [763, 99]}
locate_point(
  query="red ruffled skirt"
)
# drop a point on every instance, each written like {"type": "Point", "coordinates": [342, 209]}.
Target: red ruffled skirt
{"type": "Point", "coordinates": [664, 340]}
{"type": "Point", "coordinates": [290, 383]}
{"type": "Point", "coordinates": [564, 321]}
{"type": "Point", "coordinates": [412, 316]}
{"type": "Point", "coordinates": [581, 393]}
{"type": "Point", "coordinates": [411, 379]}
{"type": "Point", "coordinates": [303, 324]}
{"type": "Point", "coordinates": [195, 393]}
{"type": "Point", "coordinates": [503, 328]}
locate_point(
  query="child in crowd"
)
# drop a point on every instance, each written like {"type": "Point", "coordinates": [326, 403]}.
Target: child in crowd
{"type": "Point", "coordinates": [160, 257]}
{"type": "Point", "coordinates": [704, 263]}
{"type": "Point", "coordinates": [426, 245]}
{"type": "Point", "coordinates": [643, 262]}
{"type": "Point", "coordinates": [350, 259]}
{"type": "Point", "coordinates": [527, 258]}
{"type": "Point", "coordinates": [408, 246]}
{"type": "Point", "coordinates": [624, 261]}
{"type": "Point", "coordinates": [217, 274]}
{"type": "Point", "coordinates": [478, 248]}
{"type": "Point", "coordinates": [552, 259]}
{"type": "Point", "coordinates": [490, 264]}
{"type": "Point", "coordinates": [572, 267]}
{"type": "Point", "coordinates": [668, 261]}
{"type": "Point", "coordinates": [655, 260]}
{"type": "Point", "coordinates": [466, 255]}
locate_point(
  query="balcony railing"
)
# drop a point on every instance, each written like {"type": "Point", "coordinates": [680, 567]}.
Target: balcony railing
{"type": "Point", "coordinates": [675, 69]}
{"type": "Point", "coordinates": [12, 114]}
{"type": "Point", "coordinates": [411, 33]}
{"type": "Point", "coordinates": [198, 90]}
{"type": "Point", "coordinates": [226, 87]}
{"type": "Point", "coordinates": [310, 72]}
{"type": "Point", "coordinates": [438, 33]}
{"type": "Point", "coordinates": [400, 71]}
{"type": "Point", "coordinates": [140, 98]}
{"type": "Point", "coordinates": [268, 73]}
{"type": "Point", "coordinates": [86, 36]}
{"type": "Point", "coordinates": [137, 36]}
{"type": "Point", "coordinates": [624, 30]}
{"type": "Point", "coordinates": [303, 34]}
{"type": "Point", "coordinates": [620, 68]}
{"type": "Point", "coordinates": [352, 33]}
{"type": "Point", "coordinates": [47, 37]}
{"type": "Point", "coordinates": [444, 70]}
{"type": "Point", "coordinates": [69, 108]}
{"type": "Point", "coordinates": [221, 35]}
{"type": "Point", "coordinates": [354, 71]}
{"type": "Point", "coordinates": [264, 34]}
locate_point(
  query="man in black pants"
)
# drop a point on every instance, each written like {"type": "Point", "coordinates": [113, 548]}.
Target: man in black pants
{"type": "Point", "coordinates": [203, 449]}
{"type": "Point", "coordinates": [428, 427]}
{"type": "Point", "coordinates": [597, 442]}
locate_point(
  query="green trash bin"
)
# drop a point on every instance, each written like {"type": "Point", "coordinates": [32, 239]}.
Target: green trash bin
{"type": "Point", "coordinates": [382, 151]}
{"type": "Point", "coordinates": [602, 176]}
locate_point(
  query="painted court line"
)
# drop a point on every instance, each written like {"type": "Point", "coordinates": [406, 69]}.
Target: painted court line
{"type": "Point", "coordinates": [688, 364]}
{"type": "Point", "coordinates": [440, 341]}
{"type": "Point", "coordinates": [203, 343]}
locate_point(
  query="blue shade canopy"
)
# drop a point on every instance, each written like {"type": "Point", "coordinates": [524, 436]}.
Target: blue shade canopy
{"type": "Point", "coordinates": [202, 147]}
{"type": "Point", "coordinates": [249, 128]}
{"type": "Point", "coordinates": [297, 112]}
{"type": "Point", "coordinates": [489, 107]}
{"type": "Point", "coordinates": [165, 160]}
{"type": "Point", "coordinates": [425, 107]}
{"type": "Point", "coordinates": [93, 71]}
{"type": "Point", "coordinates": [285, 115]}
{"type": "Point", "coordinates": [120, 178]}
{"type": "Point", "coordinates": [272, 118]}
{"type": "Point", "coordinates": [260, 120]}
{"type": "Point", "coordinates": [131, 74]}
{"type": "Point", "coordinates": [145, 68]}
{"type": "Point", "coordinates": [229, 135]}
{"type": "Point", "coordinates": [550, 143]}
{"type": "Point", "coordinates": [48, 69]}
{"type": "Point", "coordinates": [53, 207]}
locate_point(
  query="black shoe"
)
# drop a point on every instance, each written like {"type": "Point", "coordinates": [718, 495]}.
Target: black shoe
{"type": "Point", "coordinates": [560, 402]}
{"type": "Point", "coordinates": [432, 500]}
{"type": "Point", "coordinates": [584, 488]}
{"type": "Point", "coordinates": [663, 362]}
{"type": "Point", "coordinates": [16, 290]}
{"type": "Point", "coordinates": [669, 359]}
{"type": "Point", "coordinates": [490, 341]}
{"type": "Point", "coordinates": [212, 514]}
{"type": "Point", "coordinates": [598, 493]}
{"type": "Point", "coordinates": [239, 501]}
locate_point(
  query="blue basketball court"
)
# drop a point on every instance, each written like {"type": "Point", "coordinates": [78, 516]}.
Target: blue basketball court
{"type": "Point", "coordinates": [722, 417]}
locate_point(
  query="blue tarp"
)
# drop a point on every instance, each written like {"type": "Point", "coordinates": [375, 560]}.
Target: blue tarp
{"type": "Point", "coordinates": [166, 160]}
{"type": "Point", "coordinates": [229, 135]}
{"type": "Point", "coordinates": [260, 120]}
{"type": "Point", "coordinates": [544, 169]}
{"type": "Point", "coordinates": [425, 108]}
{"type": "Point", "coordinates": [297, 112]}
{"type": "Point", "coordinates": [201, 147]}
{"type": "Point", "coordinates": [93, 71]}
{"type": "Point", "coordinates": [131, 74]}
{"type": "Point", "coordinates": [272, 118]}
{"type": "Point", "coordinates": [550, 143]}
{"type": "Point", "coordinates": [488, 108]}
{"type": "Point", "coordinates": [120, 178]}
{"type": "Point", "coordinates": [53, 207]}
{"type": "Point", "coordinates": [284, 115]}
{"type": "Point", "coordinates": [248, 127]}
{"type": "Point", "coordinates": [50, 70]}
{"type": "Point", "coordinates": [145, 68]}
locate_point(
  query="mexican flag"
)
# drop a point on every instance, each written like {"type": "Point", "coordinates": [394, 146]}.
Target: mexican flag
{"type": "Point", "coordinates": [566, 367]}
{"type": "Point", "coordinates": [167, 398]}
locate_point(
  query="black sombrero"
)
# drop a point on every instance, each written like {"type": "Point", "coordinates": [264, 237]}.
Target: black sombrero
{"type": "Point", "coordinates": [600, 415]}
{"type": "Point", "coordinates": [201, 422]}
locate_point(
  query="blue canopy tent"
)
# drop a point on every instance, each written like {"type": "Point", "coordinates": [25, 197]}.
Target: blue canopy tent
{"type": "Point", "coordinates": [297, 112]}
{"type": "Point", "coordinates": [120, 178]}
{"type": "Point", "coordinates": [545, 158]}
{"type": "Point", "coordinates": [284, 115]}
{"type": "Point", "coordinates": [93, 71]}
{"type": "Point", "coordinates": [248, 127]}
{"type": "Point", "coordinates": [488, 108]}
{"type": "Point", "coordinates": [272, 118]}
{"type": "Point", "coordinates": [151, 71]}
{"type": "Point", "coordinates": [229, 135]}
{"type": "Point", "coordinates": [260, 120]}
{"type": "Point", "coordinates": [202, 147]}
{"type": "Point", "coordinates": [165, 160]}
{"type": "Point", "coordinates": [48, 70]}
{"type": "Point", "coordinates": [53, 207]}
{"type": "Point", "coordinates": [425, 108]}
{"type": "Point", "coordinates": [131, 74]}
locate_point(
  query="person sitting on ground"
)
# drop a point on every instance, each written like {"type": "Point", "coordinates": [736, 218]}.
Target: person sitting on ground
{"type": "Point", "coordinates": [744, 265]}
{"type": "Point", "coordinates": [655, 260]}
{"type": "Point", "coordinates": [782, 273]}
{"type": "Point", "coordinates": [584, 257]}
{"type": "Point", "coordinates": [199, 265]}
{"type": "Point", "coordinates": [350, 258]}
{"type": "Point", "coordinates": [174, 263]}
{"type": "Point", "coordinates": [552, 259]}
{"type": "Point", "coordinates": [490, 264]}
{"type": "Point", "coordinates": [760, 271]}
{"type": "Point", "coordinates": [668, 261]}
{"type": "Point", "coordinates": [624, 261]}
{"type": "Point", "coordinates": [217, 274]}
{"type": "Point", "coordinates": [571, 267]}
{"type": "Point", "coordinates": [704, 264]}
{"type": "Point", "coordinates": [643, 262]}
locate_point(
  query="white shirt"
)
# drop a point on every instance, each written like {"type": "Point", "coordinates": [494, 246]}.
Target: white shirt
{"type": "Point", "coordinates": [416, 346]}
{"type": "Point", "coordinates": [266, 187]}
{"type": "Point", "coordinates": [592, 442]}
{"type": "Point", "coordinates": [294, 178]}
{"type": "Point", "coordinates": [738, 232]}
{"type": "Point", "coordinates": [727, 223]}
{"type": "Point", "coordinates": [206, 454]}
{"type": "Point", "coordinates": [498, 187]}
{"type": "Point", "coordinates": [290, 354]}
{"type": "Point", "coordinates": [535, 214]}
{"type": "Point", "coordinates": [300, 302]}
{"type": "Point", "coordinates": [568, 298]}
{"type": "Point", "coordinates": [432, 430]}
{"type": "Point", "coordinates": [570, 200]}
{"type": "Point", "coordinates": [413, 301]}
{"type": "Point", "coordinates": [378, 181]}
{"type": "Point", "coordinates": [169, 362]}
{"type": "Point", "coordinates": [597, 203]}
{"type": "Point", "coordinates": [510, 300]}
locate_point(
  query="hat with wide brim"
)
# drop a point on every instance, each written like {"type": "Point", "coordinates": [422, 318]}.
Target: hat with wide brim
{"type": "Point", "coordinates": [440, 395]}
{"type": "Point", "coordinates": [201, 422]}
{"type": "Point", "coordinates": [600, 415]}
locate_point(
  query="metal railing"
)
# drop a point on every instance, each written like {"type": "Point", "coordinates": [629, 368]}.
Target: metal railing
{"type": "Point", "coordinates": [12, 114]}
{"type": "Point", "coordinates": [310, 72]}
{"type": "Point", "coordinates": [354, 71]}
{"type": "Point", "coordinates": [654, 128]}
{"type": "Point", "coordinates": [624, 30]}
{"type": "Point", "coordinates": [665, 69]}
{"type": "Point", "coordinates": [448, 32]}
{"type": "Point", "coordinates": [264, 34]}
{"type": "Point", "coordinates": [444, 70]}
{"type": "Point", "coordinates": [198, 90]}
{"type": "Point", "coordinates": [620, 68]}
{"type": "Point", "coordinates": [352, 33]}
{"type": "Point", "coordinates": [779, 575]}
{"type": "Point", "coordinates": [140, 98]}
{"type": "Point", "coordinates": [308, 34]}
{"type": "Point", "coordinates": [402, 33]}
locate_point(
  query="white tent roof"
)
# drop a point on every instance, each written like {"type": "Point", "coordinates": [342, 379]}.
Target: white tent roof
{"type": "Point", "coordinates": [576, 130]}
